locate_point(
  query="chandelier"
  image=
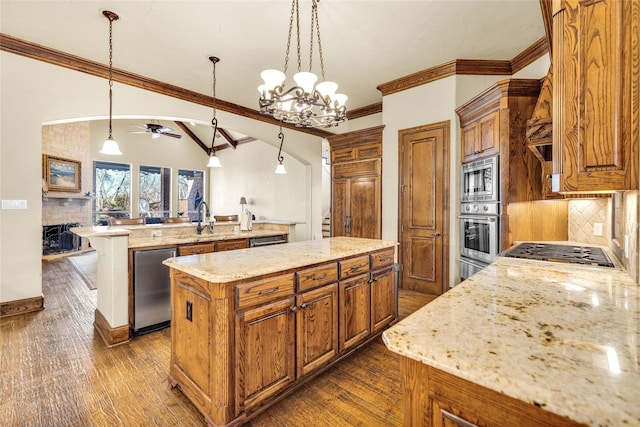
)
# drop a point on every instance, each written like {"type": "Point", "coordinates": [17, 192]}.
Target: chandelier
{"type": "Point", "coordinates": [305, 104]}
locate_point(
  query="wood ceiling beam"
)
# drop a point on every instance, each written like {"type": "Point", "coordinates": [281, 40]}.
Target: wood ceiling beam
{"type": "Point", "coordinates": [56, 57]}
{"type": "Point", "coordinates": [228, 138]}
{"type": "Point", "coordinates": [244, 140]}
{"type": "Point", "coordinates": [194, 137]}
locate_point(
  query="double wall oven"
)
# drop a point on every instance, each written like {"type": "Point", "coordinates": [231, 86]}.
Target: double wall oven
{"type": "Point", "coordinates": [479, 215]}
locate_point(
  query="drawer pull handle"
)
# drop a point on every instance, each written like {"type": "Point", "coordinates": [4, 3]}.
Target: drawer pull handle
{"type": "Point", "coordinates": [269, 291]}
{"type": "Point", "coordinates": [357, 267]}
{"type": "Point", "coordinates": [385, 259]}
{"type": "Point", "coordinates": [323, 276]}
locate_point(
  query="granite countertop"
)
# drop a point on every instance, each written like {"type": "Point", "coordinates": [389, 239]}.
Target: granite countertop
{"type": "Point", "coordinates": [150, 235]}
{"type": "Point", "coordinates": [225, 267]}
{"type": "Point", "coordinates": [565, 337]}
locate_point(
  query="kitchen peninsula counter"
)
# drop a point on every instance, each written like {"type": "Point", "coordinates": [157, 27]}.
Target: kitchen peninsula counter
{"type": "Point", "coordinates": [559, 341]}
{"type": "Point", "coordinates": [116, 244]}
{"type": "Point", "coordinates": [251, 326]}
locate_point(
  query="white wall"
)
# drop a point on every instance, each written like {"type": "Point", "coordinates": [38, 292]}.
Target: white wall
{"type": "Point", "coordinates": [431, 103]}
{"type": "Point", "coordinates": [33, 93]}
{"type": "Point", "coordinates": [249, 171]}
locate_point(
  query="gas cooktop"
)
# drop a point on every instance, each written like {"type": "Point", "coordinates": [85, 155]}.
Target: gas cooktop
{"type": "Point", "coordinates": [560, 253]}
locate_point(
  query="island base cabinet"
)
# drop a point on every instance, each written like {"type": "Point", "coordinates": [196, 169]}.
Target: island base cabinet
{"type": "Point", "coordinates": [355, 311]}
{"type": "Point", "coordinates": [435, 398]}
{"type": "Point", "coordinates": [317, 328]}
{"type": "Point", "coordinates": [265, 352]}
{"type": "Point", "coordinates": [383, 299]}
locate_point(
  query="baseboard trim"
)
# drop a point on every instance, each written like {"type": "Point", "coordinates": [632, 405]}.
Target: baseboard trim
{"type": "Point", "coordinates": [110, 336]}
{"type": "Point", "coordinates": [21, 306]}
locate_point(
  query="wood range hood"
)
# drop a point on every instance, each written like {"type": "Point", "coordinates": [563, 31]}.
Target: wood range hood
{"type": "Point", "coordinates": [539, 127]}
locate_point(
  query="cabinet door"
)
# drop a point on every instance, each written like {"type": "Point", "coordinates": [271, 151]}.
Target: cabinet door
{"type": "Point", "coordinates": [316, 328]}
{"type": "Point", "coordinates": [364, 207]}
{"type": "Point", "coordinates": [265, 349]}
{"type": "Point", "coordinates": [383, 299]}
{"type": "Point", "coordinates": [595, 95]}
{"type": "Point", "coordinates": [339, 207]}
{"type": "Point", "coordinates": [355, 311]}
{"type": "Point", "coordinates": [489, 128]}
{"type": "Point", "coordinates": [469, 141]}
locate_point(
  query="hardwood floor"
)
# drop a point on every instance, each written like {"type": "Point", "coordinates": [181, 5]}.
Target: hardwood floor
{"type": "Point", "coordinates": [56, 371]}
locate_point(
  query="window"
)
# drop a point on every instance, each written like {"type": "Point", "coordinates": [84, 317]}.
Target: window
{"type": "Point", "coordinates": [112, 187]}
{"type": "Point", "coordinates": [190, 192]}
{"type": "Point", "coordinates": [155, 191]}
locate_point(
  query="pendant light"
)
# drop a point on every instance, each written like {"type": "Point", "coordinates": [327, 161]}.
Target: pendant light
{"type": "Point", "coordinates": [280, 168]}
{"type": "Point", "coordinates": [214, 161]}
{"type": "Point", "coordinates": [110, 146]}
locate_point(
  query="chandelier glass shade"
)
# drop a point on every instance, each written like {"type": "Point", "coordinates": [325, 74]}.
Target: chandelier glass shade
{"type": "Point", "coordinates": [305, 104]}
{"type": "Point", "coordinates": [110, 146]}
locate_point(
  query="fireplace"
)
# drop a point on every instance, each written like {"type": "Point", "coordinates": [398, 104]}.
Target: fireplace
{"type": "Point", "coordinates": [58, 239]}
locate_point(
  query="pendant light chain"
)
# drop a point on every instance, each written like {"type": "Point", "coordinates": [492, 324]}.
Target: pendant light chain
{"type": "Point", "coordinates": [110, 73]}
{"type": "Point", "coordinates": [315, 14]}
{"type": "Point", "coordinates": [214, 121]}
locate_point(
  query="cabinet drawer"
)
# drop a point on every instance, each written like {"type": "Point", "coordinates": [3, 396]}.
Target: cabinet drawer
{"type": "Point", "coordinates": [202, 248]}
{"type": "Point", "coordinates": [383, 258]}
{"type": "Point", "coordinates": [317, 276]}
{"type": "Point", "coordinates": [354, 266]}
{"type": "Point", "coordinates": [230, 245]}
{"type": "Point", "coordinates": [262, 291]}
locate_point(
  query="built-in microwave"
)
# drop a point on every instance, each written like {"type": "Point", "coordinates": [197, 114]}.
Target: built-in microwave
{"type": "Point", "coordinates": [480, 180]}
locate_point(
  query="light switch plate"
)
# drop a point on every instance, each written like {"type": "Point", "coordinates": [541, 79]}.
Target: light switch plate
{"type": "Point", "coordinates": [14, 204]}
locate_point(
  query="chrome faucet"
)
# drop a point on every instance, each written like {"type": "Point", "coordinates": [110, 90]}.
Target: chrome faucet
{"type": "Point", "coordinates": [200, 225]}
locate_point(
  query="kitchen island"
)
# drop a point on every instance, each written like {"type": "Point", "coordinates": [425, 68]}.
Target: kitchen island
{"type": "Point", "coordinates": [116, 245]}
{"type": "Point", "coordinates": [252, 325]}
{"type": "Point", "coordinates": [524, 343]}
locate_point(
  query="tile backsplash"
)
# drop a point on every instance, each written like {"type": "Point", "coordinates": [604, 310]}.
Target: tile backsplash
{"type": "Point", "coordinates": [586, 218]}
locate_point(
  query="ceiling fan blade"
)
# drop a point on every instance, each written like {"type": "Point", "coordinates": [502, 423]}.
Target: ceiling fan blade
{"type": "Point", "coordinates": [141, 127]}
{"type": "Point", "coordinates": [138, 132]}
{"type": "Point", "coordinates": [172, 135]}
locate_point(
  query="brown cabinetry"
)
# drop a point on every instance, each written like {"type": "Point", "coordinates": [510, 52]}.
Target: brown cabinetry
{"type": "Point", "coordinates": [356, 190]}
{"type": "Point", "coordinates": [596, 95]}
{"type": "Point", "coordinates": [316, 328]}
{"type": "Point", "coordinates": [236, 346]}
{"type": "Point", "coordinates": [265, 352]}
{"type": "Point", "coordinates": [499, 115]}
{"type": "Point", "coordinates": [200, 248]}
{"type": "Point", "coordinates": [230, 245]}
{"type": "Point", "coordinates": [481, 137]}
{"type": "Point", "coordinates": [435, 398]}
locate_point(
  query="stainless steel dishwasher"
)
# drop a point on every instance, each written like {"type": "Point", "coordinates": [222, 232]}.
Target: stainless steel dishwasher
{"type": "Point", "coordinates": [151, 290]}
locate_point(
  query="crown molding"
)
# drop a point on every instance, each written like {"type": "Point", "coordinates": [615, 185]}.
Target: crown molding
{"type": "Point", "coordinates": [530, 54]}
{"type": "Point", "coordinates": [365, 111]}
{"type": "Point", "coordinates": [467, 67]}
{"type": "Point", "coordinates": [55, 57]}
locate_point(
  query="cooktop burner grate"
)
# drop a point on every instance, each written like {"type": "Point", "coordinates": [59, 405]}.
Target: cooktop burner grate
{"type": "Point", "coordinates": [561, 253]}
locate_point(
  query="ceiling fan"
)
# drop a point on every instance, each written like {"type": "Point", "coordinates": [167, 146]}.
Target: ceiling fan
{"type": "Point", "coordinates": [157, 130]}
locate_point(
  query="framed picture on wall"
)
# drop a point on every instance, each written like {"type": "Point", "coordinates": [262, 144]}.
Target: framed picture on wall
{"type": "Point", "coordinates": [62, 174]}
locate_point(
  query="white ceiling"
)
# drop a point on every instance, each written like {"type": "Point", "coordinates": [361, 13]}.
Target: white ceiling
{"type": "Point", "coordinates": [365, 43]}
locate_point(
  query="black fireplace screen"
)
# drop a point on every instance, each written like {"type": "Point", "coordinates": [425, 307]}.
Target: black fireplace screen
{"type": "Point", "coordinates": [57, 239]}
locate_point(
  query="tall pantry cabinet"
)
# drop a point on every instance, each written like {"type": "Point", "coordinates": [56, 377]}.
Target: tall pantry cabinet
{"type": "Point", "coordinates": [356, 183]}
